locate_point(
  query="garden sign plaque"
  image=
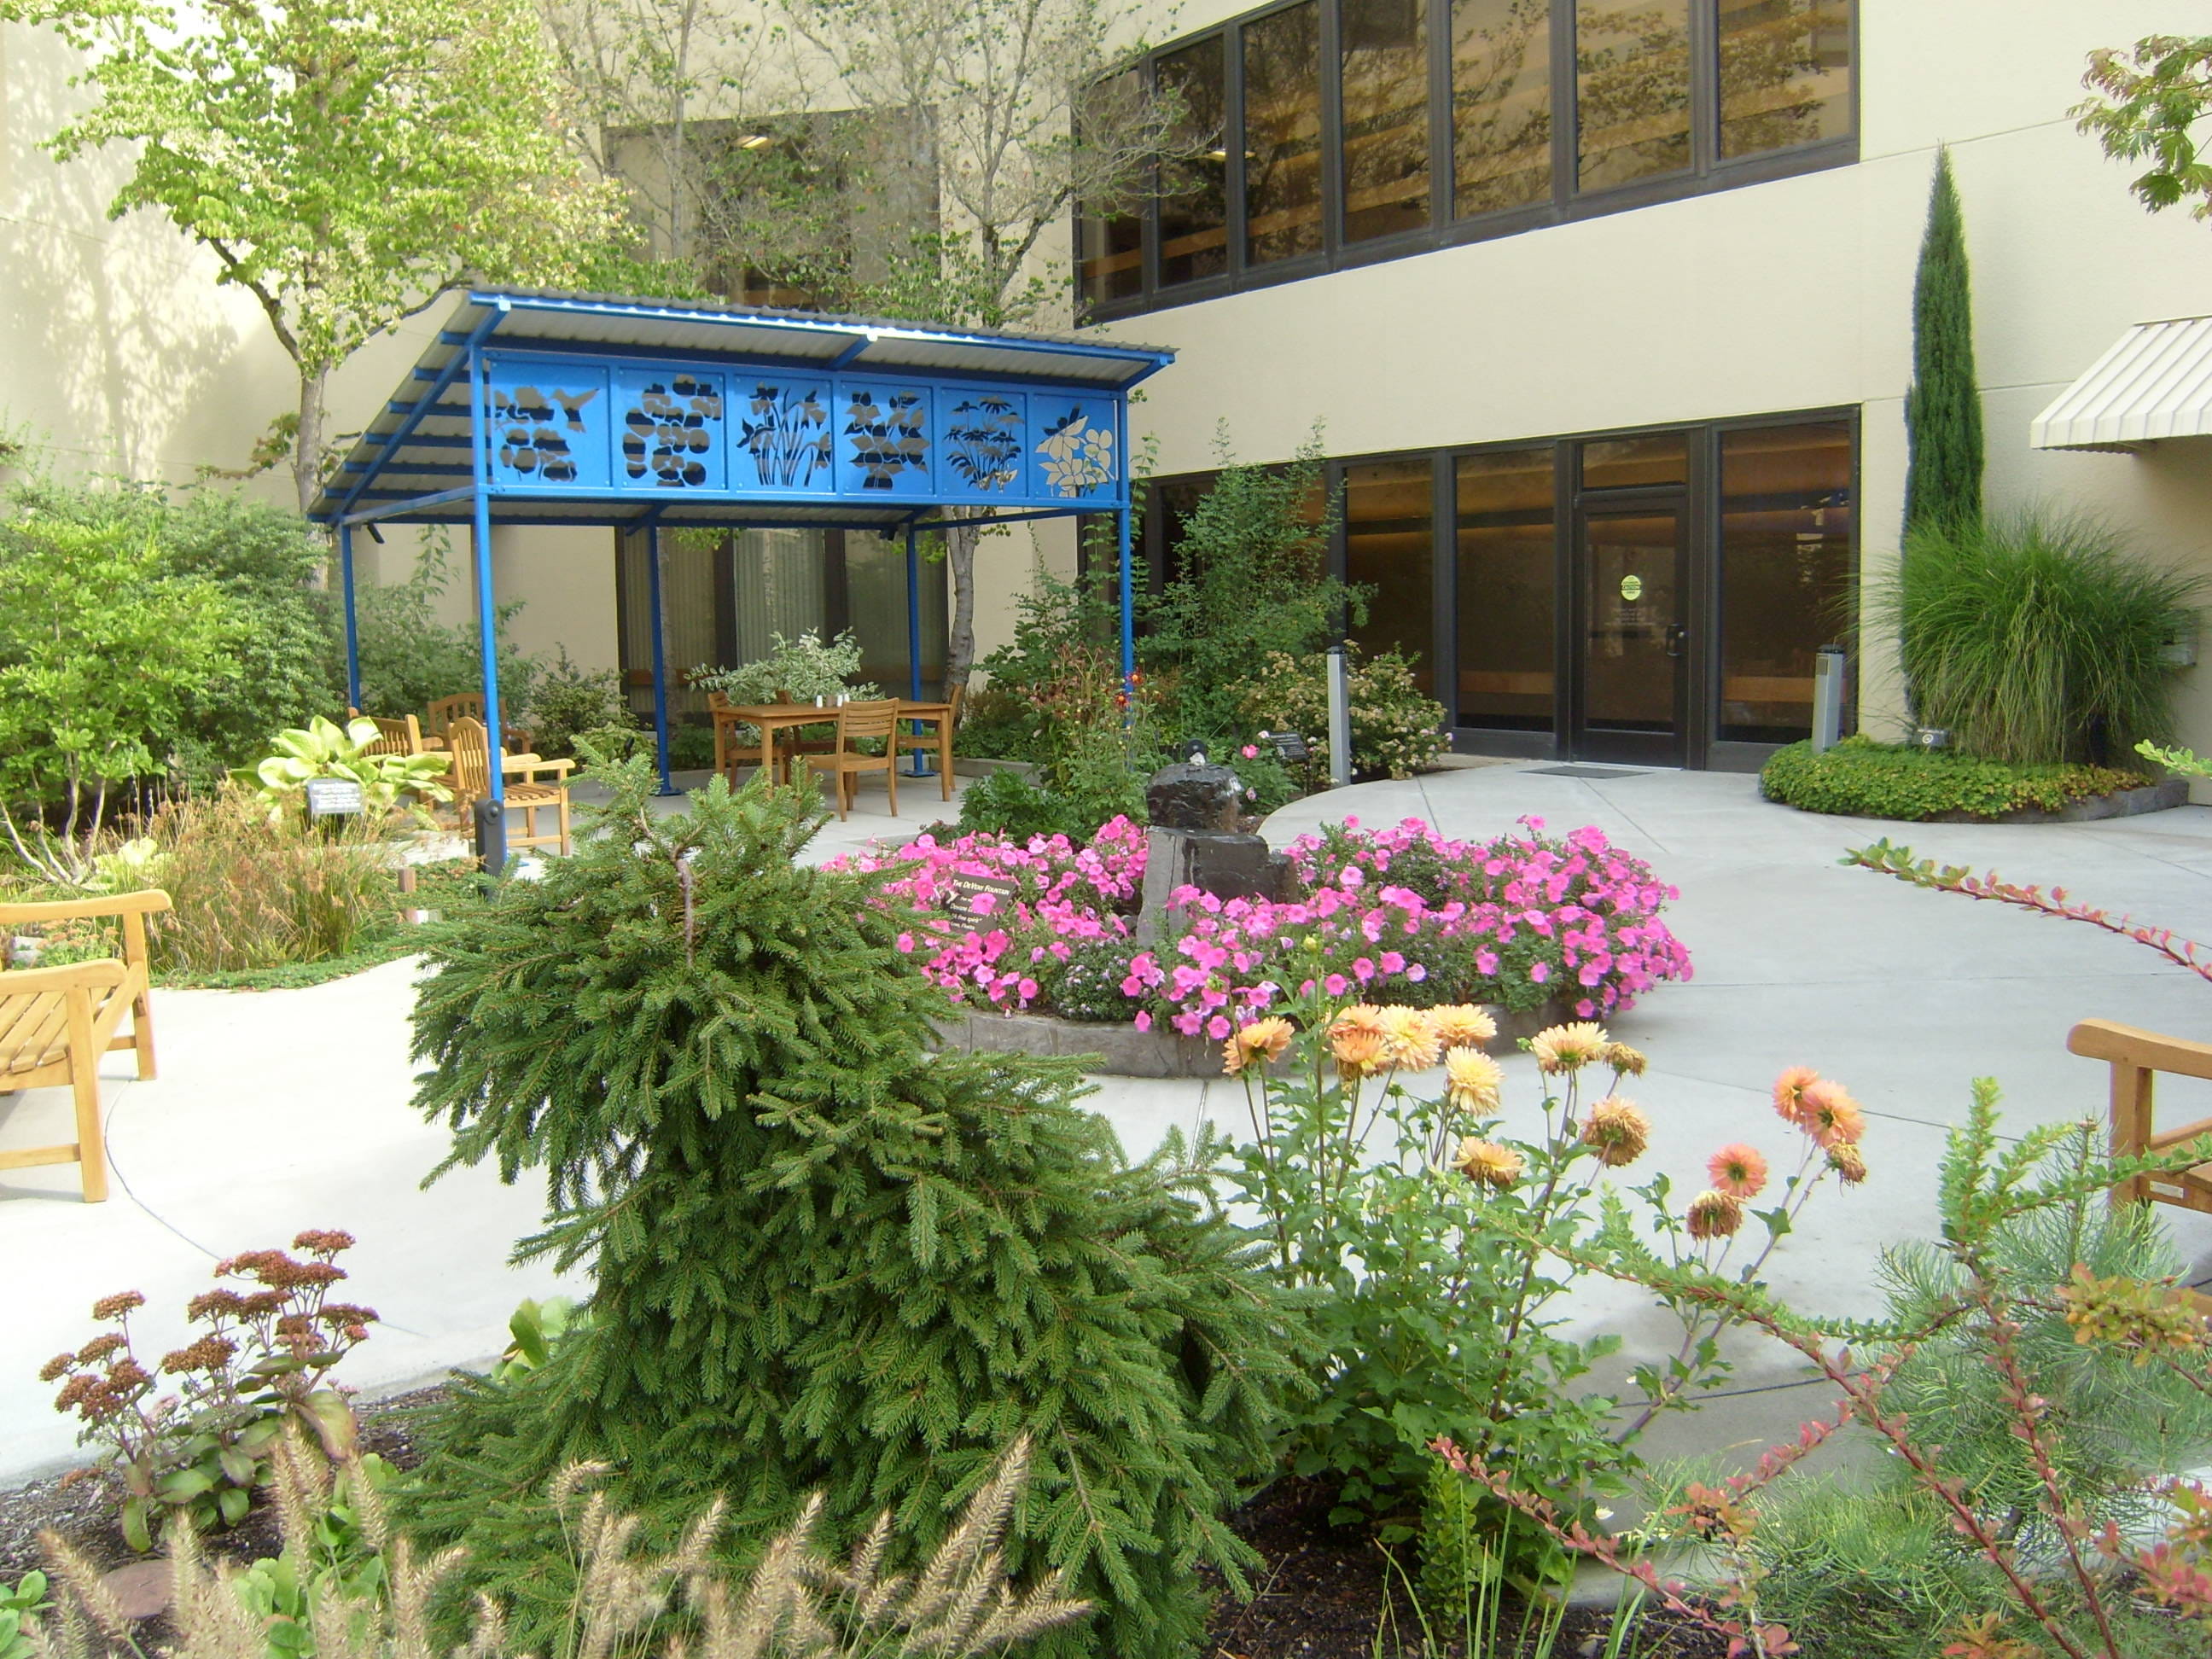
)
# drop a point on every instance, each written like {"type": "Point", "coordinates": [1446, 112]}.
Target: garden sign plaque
{"type": "Point", "coordinates": [329, 797]}
{"type": "Point", "coordinates": [1290, 747]}
{"type": "Point", "coordinates": [978, 899]}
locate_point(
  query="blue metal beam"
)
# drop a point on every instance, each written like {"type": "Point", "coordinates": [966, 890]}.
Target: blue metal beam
{"type": "Point", "coordinates": [617, 353]}
{"type": "Point", "coordinates": [487, 608]}
{"type": "Point", "coordinates": [352, 624]}
{"type": "Point", "coordinates": [1070, 511]}
{"type": "Point", "coordinates": [460, 360]}
{"type": "Point", "coordinates": [400, 503]}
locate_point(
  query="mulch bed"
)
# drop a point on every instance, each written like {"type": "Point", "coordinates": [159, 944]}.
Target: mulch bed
{"type": "Point", "coordinates": [1323, 1593]}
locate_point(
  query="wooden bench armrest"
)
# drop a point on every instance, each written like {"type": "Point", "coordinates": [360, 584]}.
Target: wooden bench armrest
{"type": "Point", "coordinates": [106, 974]}
{"type": "Point", "coordinates": [2168, 1140]}
{"type": "Point", "coordinates": [115, 904]}
{"type": "Point", "coordinates": [2129, 1045]}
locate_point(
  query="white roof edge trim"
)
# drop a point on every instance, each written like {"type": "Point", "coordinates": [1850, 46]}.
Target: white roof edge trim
{"type": "Point", "coordinates": [2154, 382]}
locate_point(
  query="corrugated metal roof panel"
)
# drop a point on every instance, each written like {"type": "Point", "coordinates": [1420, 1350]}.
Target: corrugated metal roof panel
{"type": "Point", "coordinates": [2155, 382]}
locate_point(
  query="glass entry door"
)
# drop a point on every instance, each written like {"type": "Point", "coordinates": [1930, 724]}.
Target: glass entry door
{"type": "Point", "coordinates": [1633, 683]}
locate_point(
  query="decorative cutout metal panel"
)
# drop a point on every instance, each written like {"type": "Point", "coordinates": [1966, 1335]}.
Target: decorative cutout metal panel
{"type": "Point", "coordinates": [563, 427]}
{"type": "Point", "coordinates": [783, 437]}
{"type": "Point", "coordinates": [672, 429]}
{"type": "Point", "coordinates": [551, 426]}
{"type": "Point", "coordinates": [1073, 452]}
{"type": "Point", "coordinates": [982, 435]}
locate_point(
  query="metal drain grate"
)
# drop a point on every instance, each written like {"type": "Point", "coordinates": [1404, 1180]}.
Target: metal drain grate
{"type": "Point", "coordinates": [1586, 772]}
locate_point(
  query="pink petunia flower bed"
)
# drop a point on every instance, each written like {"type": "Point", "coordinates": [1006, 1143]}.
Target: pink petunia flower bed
{"type": "Point", "coordinates": [1397, 915]}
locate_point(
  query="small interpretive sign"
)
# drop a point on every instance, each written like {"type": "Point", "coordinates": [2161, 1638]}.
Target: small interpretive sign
{"type": "Point", "coordinates": [979, 898]}
{"type": "Point", "coordinates": [1290, 747]}
{"type": "Point", "coordinates": [331, 798]}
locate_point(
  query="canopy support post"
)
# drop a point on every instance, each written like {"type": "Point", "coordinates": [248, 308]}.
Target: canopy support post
{"type": "Point", "coordinates": [659, 659]}
{"type": "Point", "coordinates": [491, 811]}
{"type": "Point", "coordinates": [914, 638]}
{"type": "Point", "coordinates": [1122, 532]}
{"type": "Point", "coordinates": [352, 623]}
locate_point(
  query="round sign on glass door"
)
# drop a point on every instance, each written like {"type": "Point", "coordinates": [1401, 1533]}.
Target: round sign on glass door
{"type": "Point", "coordinates": [1631, 588]}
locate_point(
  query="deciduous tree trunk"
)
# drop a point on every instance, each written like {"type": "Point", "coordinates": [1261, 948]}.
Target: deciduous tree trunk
{"type": "Point", "coordinates": [960, 642]}
{"type": "Point", "coordinates": [307, 441]}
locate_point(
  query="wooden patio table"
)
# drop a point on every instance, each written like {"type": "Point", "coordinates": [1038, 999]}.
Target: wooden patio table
{"type": "Point", "coordinates": [773, 717]}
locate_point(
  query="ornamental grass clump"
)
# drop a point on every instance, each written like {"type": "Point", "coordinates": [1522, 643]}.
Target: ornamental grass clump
{"type": "Point", "coordinates": [824, 1257]}
{"type": "Point", "coordinates": [2035, 637]}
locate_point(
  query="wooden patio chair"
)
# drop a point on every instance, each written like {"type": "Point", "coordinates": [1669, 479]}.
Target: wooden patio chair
{"type": "Point", "coordinates": [860, 722]}
{"type": "Point", "coordinates": [527, 791]}
{"type": "Point", "coordinates": [444, 711]}
{"type": "Point", "coordinates": [56, 1022]}
{"type": "Point", "coordinates": [2136, 1058]}
{"type": "Point", "coordinates": [400, 736]}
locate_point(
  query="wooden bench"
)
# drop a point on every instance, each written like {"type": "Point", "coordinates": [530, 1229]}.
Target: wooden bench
{"type": "Point", "coordinates": [2136, 1058]}
{"type": "Point", "coordinates": [56, 1022]}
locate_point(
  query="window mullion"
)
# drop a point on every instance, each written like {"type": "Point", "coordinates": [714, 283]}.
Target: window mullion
{"type": "Point", "coordinates": [1566, 151]}
{"type": "Point", "coordinates": [1705, 86]}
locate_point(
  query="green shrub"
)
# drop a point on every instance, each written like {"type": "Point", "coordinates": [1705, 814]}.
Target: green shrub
{"type": "Point", "coordinates": [2035, 637]}
{"type": "Point", "coordinates": [1396, 730]}
{"type": "Point", "coordinates": [803, 669]}
{"type": "Point", "coordinates": [410, 659]}
{"type": "Point", "coordinates": [1008, 804]}
{"type": "Point", "coordinates": [1861, 778]}
{"type": "Point", "coordinates": [824, 1255]}
{"type": "Point", "coordinates": [569, 700]}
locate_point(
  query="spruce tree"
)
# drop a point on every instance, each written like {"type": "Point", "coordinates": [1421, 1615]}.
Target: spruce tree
{"type": "Point", "coordinates": [824, 1258]}
{"type": "Point", "coordinates": [1943, 406]}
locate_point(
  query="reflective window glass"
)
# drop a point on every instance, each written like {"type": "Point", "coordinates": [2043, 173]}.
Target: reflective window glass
{"type": "Point", "coordinates": [1195, 187]}
{"type": "Point", "coordinates": [1785, 69]}
{"type": "Point", "coordinates": [1385, 68]}
{"type": "Point", "coordinates": [1632, 90]}
{"type": "Point", "coordinates": [1501, 105]}
{"type": "Point", "coordinates": [1785, 573]}
{"type": "Point", "coordinates": [1506, 557]}
{"type": "Point", "coordinates": [1389, 540]}
{"type": "Point", "coordinates": [1282, 135]}
{"type": "Point", "coordinates": [1110, 234]}
{"type": "Point", "coordinates": [1663, 457]}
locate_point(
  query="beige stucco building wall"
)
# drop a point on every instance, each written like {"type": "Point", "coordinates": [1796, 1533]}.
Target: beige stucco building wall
{"type": "Point", "coordinates": [1791, 294]}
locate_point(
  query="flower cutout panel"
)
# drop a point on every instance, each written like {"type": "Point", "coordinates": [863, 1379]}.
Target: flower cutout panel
{"type": "Point", "coordinates": [1073, 454]}
{"type": "Point", "coordinates": [784, 438]}
{"type": "Point", "coordinates": [980, 442]}
{"type": "Point", "coordinates": [550, 425]}
{"type": "Point", "coordinates": [883, 439]}
{"type": "Point", "coordinates": [673, 425]}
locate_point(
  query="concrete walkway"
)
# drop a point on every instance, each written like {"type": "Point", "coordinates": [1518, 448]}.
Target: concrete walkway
{"type": "Point", "coordinates": [282, 1110]}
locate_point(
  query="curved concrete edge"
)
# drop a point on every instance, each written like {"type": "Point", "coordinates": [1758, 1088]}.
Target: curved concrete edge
{"type": "Point", "coordinates": [2092, 809]}
{"type": "Point", "coordinates": [1122, 1050]}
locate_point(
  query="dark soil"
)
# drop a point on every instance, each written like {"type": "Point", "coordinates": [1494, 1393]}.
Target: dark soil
{"type": "Point", "coordinates": [1322, 1592]}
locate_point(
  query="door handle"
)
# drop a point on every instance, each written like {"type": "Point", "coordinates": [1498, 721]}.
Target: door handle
{"type": "Point", "coordinates": [1677, 636]}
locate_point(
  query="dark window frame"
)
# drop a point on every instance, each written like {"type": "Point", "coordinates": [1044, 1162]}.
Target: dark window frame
{"type": "Point", "coordinates": [1708, 174]}
{"type": "Point", "coordinates": [1701, 503]}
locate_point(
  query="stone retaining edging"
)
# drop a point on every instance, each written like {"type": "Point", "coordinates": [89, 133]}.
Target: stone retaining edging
{"type": "Point", "coordinates": [2120, 803]}
{"type": "Point", "coordinates": [1122, 1050]}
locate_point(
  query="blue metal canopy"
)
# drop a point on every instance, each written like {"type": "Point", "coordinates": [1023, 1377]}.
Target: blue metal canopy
{"type": "Point", "coordinates": [536, 408]}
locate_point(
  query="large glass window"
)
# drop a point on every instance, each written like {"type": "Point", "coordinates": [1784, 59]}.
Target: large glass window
{"type": "Point", "coordinates": [1501, 108]}
{"type": "Point", "coordinates": [1507, 556]}
{"type": "Point", "coordinates": [1652, 461]}
{"type": "Point", "coordinates": [1785, 73]}
{"type": "Point", "coordinates": [1389, 541]}
{"type": "Point", "coordinates": [1773, 79]}
{"type": "Point", "coordinates": [1384, 46]}
{"type": "Point", "coordinates": [1110, 234]}
{"type": "Point", "coordinates": [1631, 90]}
{"type": "Point", "coordinates": [1194, 207]}
{"type": "Point", "coordinates": [1282, 134]}
{"type": "Point", "coordinates": [1785, 572]}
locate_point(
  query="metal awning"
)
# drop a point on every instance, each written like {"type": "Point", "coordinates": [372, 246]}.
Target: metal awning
{"type": "Point", "coordinates": [2155, 382]}
{"type": "Point", "coordinates": [536, 408]}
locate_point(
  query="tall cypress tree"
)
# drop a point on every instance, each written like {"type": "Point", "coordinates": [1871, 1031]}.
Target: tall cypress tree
{"type": "Point", "coordinates": [824, 1258]}
{"type": "Point", "coordinates": [1944, 408]}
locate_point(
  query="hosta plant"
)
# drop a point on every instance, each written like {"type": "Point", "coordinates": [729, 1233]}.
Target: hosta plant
{"type": "Point", "coordinates": [323, 749]}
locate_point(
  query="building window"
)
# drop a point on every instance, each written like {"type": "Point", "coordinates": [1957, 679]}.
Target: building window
{"type": "Point", "coordinates": [1785, 572]}
{"type": "Point", "coordinates": [1282, 134]}
{"type": "Point", "coordinates": [1543, 111]}
{"type": "Point", "coordinates": [1383, 69]}
{"type": "Point", "coordinates": [1501, 105]}
{"type": "Point", "coordinates": [1389, 549]}
{"type": "Point", "coordinates": [1507, 589]}
{"type": "Point", "coordinates": [1194, 205]}
{"type": "Point", "coordinates": [1110, 242]}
